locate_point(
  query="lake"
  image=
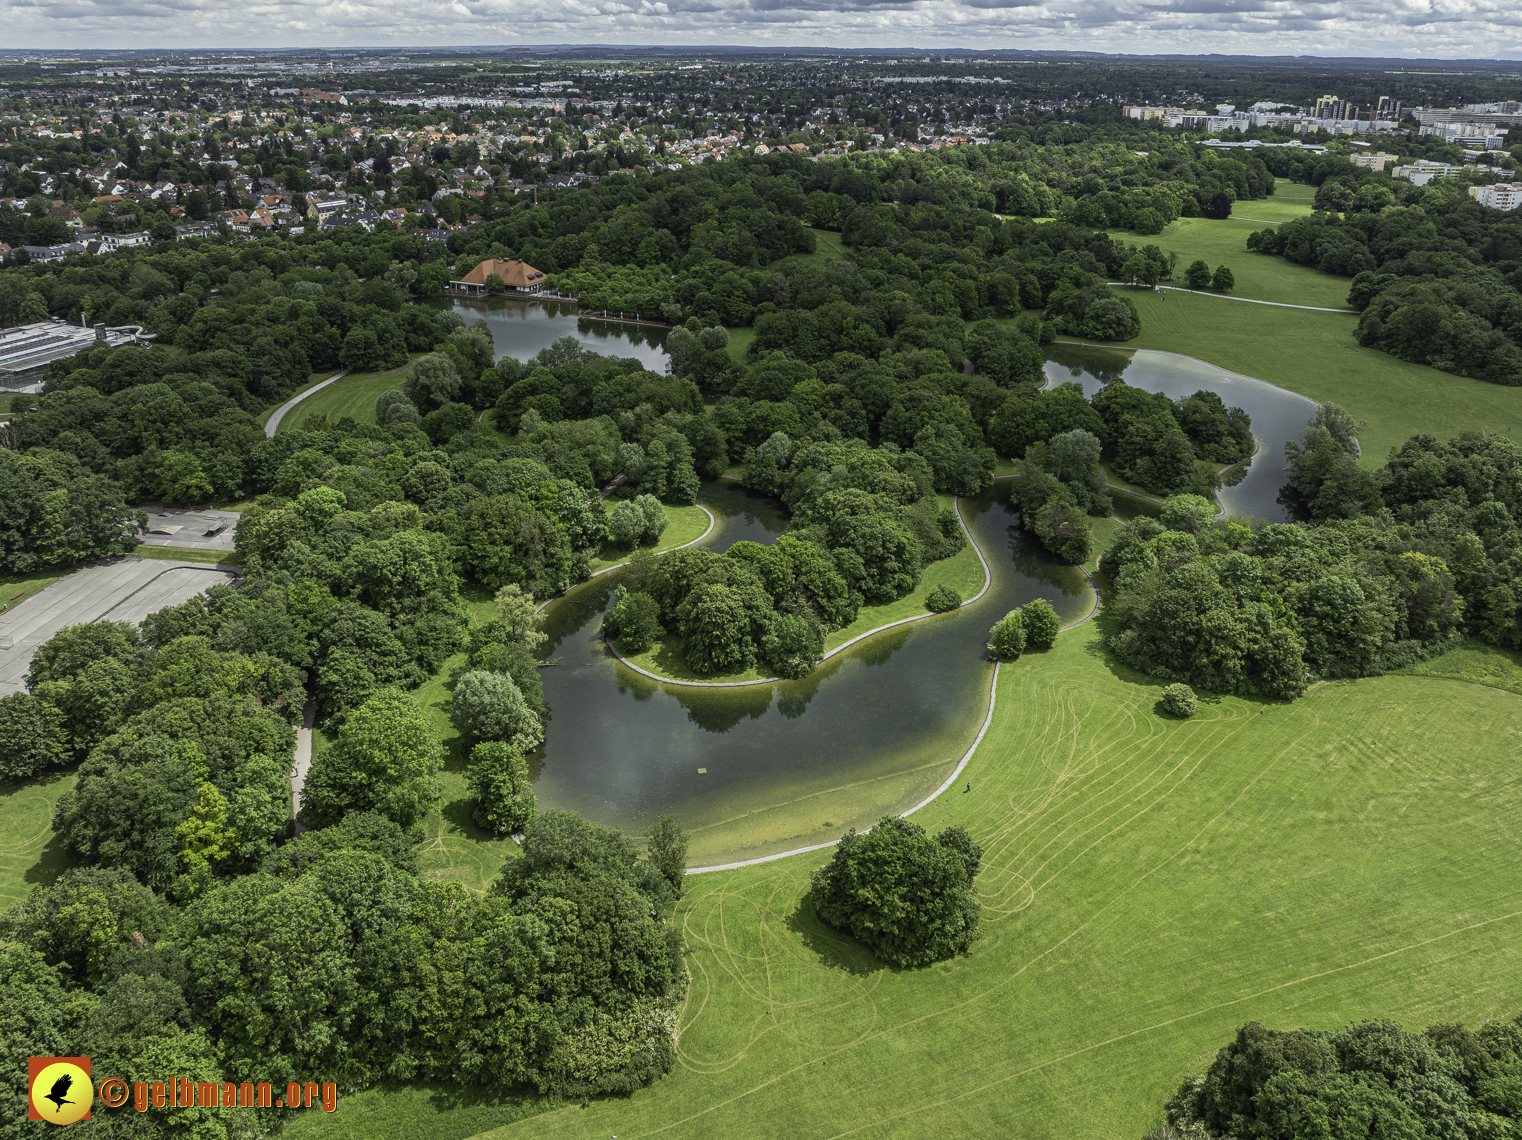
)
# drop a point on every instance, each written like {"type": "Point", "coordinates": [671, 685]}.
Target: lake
{"type": "Point", "coordinates": [522, 328]}
{"type": "Point", "coordinates": [871, 732]}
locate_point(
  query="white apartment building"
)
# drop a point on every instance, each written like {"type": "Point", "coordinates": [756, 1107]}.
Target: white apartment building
{"type": "Point", "coordinates": [1501, 196]}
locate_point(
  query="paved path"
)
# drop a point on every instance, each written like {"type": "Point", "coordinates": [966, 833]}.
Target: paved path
{"type": "Point", "coordinates": [279, 414]}
{"type": "Point", "coordinates": [125, 589]}
{"type": "Point", "coordinates": [1244, 300]}
{"type": "Point", "coordinates": [302, 762]}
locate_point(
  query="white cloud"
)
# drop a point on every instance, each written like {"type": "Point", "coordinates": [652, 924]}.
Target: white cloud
{"type": "Point", "coordinates": [1414, 28]}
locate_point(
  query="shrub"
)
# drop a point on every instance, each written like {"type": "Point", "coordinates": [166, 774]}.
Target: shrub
{"type": "Point", "coordinates": [941, 599]}
{"type": "Point", "coordinates": [1006, 640]}
{"type": "Point", "coordinates": [1041, 623]}
{"type": "Point", "coordinates": [1179, 701]}
{"type": "Point", "coordinates": [501, 797]}
{"type": "Point", "coordinates": [904, 895]}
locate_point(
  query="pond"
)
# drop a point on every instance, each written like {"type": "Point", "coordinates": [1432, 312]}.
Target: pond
{"type": "Point", "coordinates": [767, 768]}
{"type": "Point", "coordinates": [522, 328]}
{"type": "Point", "coordinates": [1278, 416]}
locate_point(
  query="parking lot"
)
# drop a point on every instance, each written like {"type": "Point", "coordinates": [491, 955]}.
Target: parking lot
{"type": "Point", "coordinates": [127, 589]}
{"type": "Point", "coordinates": [190, 527]}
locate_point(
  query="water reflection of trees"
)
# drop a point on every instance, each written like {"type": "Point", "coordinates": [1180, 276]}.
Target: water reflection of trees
{"type": "Point", "coordinates": [1103, 364]}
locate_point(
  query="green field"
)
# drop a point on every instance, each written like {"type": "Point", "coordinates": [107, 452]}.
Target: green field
{"type": "Point", "coordinates": [1259, 276]}
{"type": "Point", "coordinates": [353, 396]}
{"type": "Point", "coordinates": [29, 856]}
{"type": "Point", "coordinates": [1149, 886]}
{"type": "Point", "coordinates": [1315, 354]}
{"type": "Point", "coordinates": [27, 585]}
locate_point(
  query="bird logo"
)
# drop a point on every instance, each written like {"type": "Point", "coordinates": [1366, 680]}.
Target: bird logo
{"type": "Point", "coordinates": [60, 1089]}
{"type": "Point", "coordinates": [59, 1093]}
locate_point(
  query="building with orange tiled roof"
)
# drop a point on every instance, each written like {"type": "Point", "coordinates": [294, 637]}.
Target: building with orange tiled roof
{"type": "Point", "coordinates": [518, 276]}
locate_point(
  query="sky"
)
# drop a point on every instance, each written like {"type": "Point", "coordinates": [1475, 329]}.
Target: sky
{"type": "Point", "coordinates": [1430, 29]}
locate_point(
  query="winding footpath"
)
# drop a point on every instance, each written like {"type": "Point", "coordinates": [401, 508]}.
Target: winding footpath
{"type": "Point", "coordinates": [279, 413]}
{"type": "Point", "coordinates": [712, 522]}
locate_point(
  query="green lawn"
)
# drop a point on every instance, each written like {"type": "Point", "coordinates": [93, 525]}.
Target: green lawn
{"type": "Point", "coordinates": [739, 341]}
{"type": "Point", "coordinates": [1259, 276]}
{"type": "Point", "coordinates": [1149, 885]}
{"type": "Point", "coordinates": [312, 381]}
{"type": "Point", "coordinates": [27, 585]}
{"type": "Point", "coordinates": [453, 847]}
{"type": "Point", "coordinates": [412, 1112]}
{"type": "Point", "coordinates": [1316, 355]}
{"type": "Point", "coordinates": [29, 855]}
{"type": "Point", "coordinates": [963, 572]}
{"type": "Point", "coordinates": [683, 525]}
{"type": "Point", "coordinates": [354, 396]}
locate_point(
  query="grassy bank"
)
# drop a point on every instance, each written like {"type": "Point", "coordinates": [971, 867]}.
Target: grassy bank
{"type": "Point", "coordinates": [1149, 885]}
{"type": "Point", "coordinates": [27, 585]}
{"type": "Point", "coordinates": [353, 396]}
{"type": "Point", "coordinates": [683, 525]}
{"type": "Point", "coordinates": [188, 554]}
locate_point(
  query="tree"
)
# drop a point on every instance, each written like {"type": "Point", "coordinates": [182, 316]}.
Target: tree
{"type": "Point", "coordinates": [1179, 701]}
{"type": "Point", "coordinates": [666, 848]}
{"type": "Point", "coordinates": [500, 792]}
{"type": "Point", "coordinates": [432, 382]}
{"type": "Point", "coordinates": [33, 736]}
{"type": "Point", "coordinates": [1223, 281]}
{"type": "Point", "coordinates": [489, 706]}
{"type": "Point", "coordinates": [1188, 513]}
{"type": "Point", "coordinates": [1041, 623]}
{"type": "Point", "coordinates": [386, 759]}
{"type": "Point", "coordinates": [715, 631]}
{"type": "Point", "coordinates": [904, 895]}
{"type": "Point", "coordinates": [393, 407]}
{"type": "Point", "coordinates": [634, 621]}
{"type": "Point", "coordinates": [1197, 275]}
{"type": "Point", "coordinates": [1006, 640]}
{"type": "Point", "coordinates": [793, 645]}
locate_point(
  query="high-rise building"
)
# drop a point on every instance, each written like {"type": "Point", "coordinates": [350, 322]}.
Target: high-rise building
{"type": "Point", "coordinates": [1387, 110]}
{"type": "Point", "coordinates": [1331, 107]}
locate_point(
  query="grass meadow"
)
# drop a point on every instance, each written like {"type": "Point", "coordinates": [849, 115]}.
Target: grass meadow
{"type": "Point", "coordinates": [1149, 885]}
{"type": "Point", "coordinates": [1258, 276]}
{"type": "Point", "coordinates": [353, 396]}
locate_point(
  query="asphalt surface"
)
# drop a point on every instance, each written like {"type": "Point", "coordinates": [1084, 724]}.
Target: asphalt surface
{"type": "Point", "coordinates": [125, 589]}
{"type": "Point", "coordinates": [189, 527]}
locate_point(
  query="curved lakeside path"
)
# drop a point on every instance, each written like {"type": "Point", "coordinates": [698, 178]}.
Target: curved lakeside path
{"type": "Point", "coordinates": [988, 580]}
{"type": "Point", "coordinates": [279, 414]}
{"type": "Point", "coordinates": [712, 522]}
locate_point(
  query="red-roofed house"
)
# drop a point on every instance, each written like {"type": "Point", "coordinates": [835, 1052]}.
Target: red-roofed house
{"type": "Point", "coordinates": [518, 276]}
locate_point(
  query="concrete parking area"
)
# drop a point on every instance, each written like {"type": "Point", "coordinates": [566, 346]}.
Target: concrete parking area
{"type": "Point", "coordinates": [189, 527]}
{"type": "Point", "coordinates": [126, 589]}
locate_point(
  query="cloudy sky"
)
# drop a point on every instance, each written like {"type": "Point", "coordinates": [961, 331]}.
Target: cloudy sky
{"type": "Point", "coordinates": [1410, 28]}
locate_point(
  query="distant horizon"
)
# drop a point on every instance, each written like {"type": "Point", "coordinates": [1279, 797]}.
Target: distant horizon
{"type": "Point", "coordinates": [1511, 55]}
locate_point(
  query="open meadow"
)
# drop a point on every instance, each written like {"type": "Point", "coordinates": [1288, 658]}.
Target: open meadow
{"type": "Point", "coordinates": [1259, 276]}
{"type": "Point", "coordinates": [1149, 885]}
{"type": "Point", "coordinates": [353, 396]}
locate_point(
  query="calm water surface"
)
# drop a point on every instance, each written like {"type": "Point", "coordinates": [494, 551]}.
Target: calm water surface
{"type": "Point", "coordinates": [872, 731]}
{"type": "Point", "coordinates": [1278, 416]}
{"type": "Point", "coordinates": [522, 328]}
